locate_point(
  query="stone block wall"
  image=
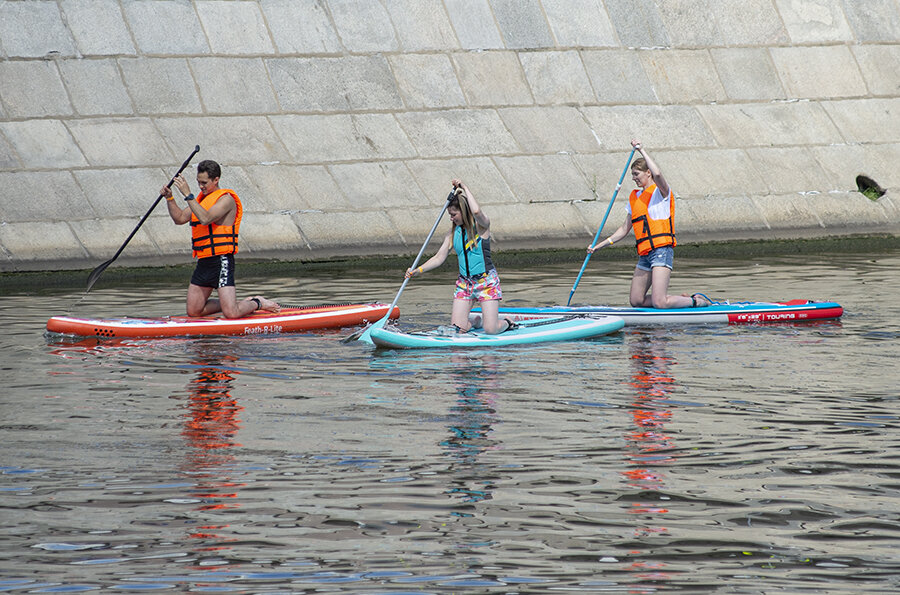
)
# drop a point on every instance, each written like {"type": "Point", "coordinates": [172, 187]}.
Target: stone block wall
{"type": "Point", "coordinates": [341, 122]}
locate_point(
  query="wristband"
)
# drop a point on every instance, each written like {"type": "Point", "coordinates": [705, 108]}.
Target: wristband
{"type": "Point", "coordinates": [189, 196]}
{"type": "Point", "coordinates": [170, 198]}
{"type": "Point", "coordinates": [610, 241]}
{"type": "Point", "coordinates": [420, 270]}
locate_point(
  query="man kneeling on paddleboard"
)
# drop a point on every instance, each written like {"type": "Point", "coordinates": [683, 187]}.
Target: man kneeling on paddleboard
{"type": "Point", "coordinates": [215, 218]}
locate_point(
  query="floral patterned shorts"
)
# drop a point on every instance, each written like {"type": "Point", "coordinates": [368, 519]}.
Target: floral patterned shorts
{"type": "Point", "coordinates": [481, 287]}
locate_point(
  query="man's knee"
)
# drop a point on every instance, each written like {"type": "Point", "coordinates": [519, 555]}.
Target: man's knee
{"type": "Point", "coordinates": [231, 310]}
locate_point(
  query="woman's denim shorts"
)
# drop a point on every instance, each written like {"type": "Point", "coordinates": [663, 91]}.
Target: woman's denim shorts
{"type": "Point", "coordinates": [663, 256]}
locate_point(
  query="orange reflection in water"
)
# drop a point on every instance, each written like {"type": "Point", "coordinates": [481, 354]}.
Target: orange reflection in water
{"type": "Point", "coordinates": [210, 429]}
{"type": "Point", "coordinates": [649, 444]}
{"type": "Point", "coordinates": [212, 422]}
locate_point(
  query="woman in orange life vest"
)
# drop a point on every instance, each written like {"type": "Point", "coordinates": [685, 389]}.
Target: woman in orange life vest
{"type": "Point", "coordinates": [651, 214]}
{"type": "Point", "coordinates": [478, 281]}
{"type": "Point", "coordinates": [215, 218]}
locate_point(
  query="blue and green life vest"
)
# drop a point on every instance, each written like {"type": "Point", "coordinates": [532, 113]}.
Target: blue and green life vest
{"type": "Point", "coordinates": [474, 254]}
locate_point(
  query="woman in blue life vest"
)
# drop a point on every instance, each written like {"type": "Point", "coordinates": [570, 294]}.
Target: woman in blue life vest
{"type": "Point", "coordinates": [651, 215]}
{"type": "Point", "coordinates": [470, 237]}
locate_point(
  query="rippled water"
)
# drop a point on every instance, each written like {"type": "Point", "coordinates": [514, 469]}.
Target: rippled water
{"type": "Point", "coordinates": [742, 459]}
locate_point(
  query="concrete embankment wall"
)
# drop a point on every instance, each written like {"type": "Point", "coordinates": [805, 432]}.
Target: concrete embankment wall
{"type": "Point", "coordinates": [340, 123]}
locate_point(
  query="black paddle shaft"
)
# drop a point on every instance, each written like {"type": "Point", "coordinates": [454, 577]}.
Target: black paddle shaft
{"type": "Point", "coordinates": [95, 274]}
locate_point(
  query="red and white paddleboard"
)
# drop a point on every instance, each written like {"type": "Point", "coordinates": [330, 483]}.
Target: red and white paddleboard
{"type": "Point", "coordinates": [289, 319]}
{"type": "Point", "coordinates": [718, 312]}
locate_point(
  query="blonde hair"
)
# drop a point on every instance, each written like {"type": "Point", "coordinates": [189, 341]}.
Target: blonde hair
{"type": "Point", "coordinates": [468, 220]}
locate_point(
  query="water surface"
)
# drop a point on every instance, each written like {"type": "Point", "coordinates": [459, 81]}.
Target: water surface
{"type": "Point", "coordinates": [738, 459]}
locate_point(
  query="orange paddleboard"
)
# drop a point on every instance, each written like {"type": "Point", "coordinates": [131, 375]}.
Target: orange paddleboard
{"type": "Point", "coordinates": [289, 319]}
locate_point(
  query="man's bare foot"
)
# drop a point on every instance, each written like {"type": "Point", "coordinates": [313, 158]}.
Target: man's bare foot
{"type": "Point", "coordinates": [267, 304]}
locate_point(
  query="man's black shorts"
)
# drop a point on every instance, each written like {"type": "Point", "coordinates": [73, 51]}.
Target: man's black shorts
{"type": "Point", "coordinates": [214, 271]}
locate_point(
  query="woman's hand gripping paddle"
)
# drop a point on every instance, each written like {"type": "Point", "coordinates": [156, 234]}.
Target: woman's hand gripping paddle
{"type": "Point", "coordinates": [366, 335]}
{"type": "Point", "coordinates": [602, 223]}
{"type": "Point", "coordinates": [95, 274]}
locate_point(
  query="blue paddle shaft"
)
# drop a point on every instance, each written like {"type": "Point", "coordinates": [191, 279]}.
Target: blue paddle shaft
{"type": "Point", "coordinates": [602, 223]}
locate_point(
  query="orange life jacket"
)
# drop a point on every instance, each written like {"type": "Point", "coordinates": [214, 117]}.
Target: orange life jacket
{"type": "Point", "coordinates": [213, 239]}
{"type": "Point", "coordinates": [651, 233]}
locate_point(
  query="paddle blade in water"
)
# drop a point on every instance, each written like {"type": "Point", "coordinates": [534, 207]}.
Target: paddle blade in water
{"type": "Point", "coordinates": [366, 336]}
{"type": "Point", "coordinates": [95, 274]}
{"type": "Point", "coordinates": [355, 334]}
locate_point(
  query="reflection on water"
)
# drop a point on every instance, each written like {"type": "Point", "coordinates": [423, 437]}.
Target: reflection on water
{"type": "Point", "coordinates": [211, 421]}
{"type": "Point", "coordinates": [749, 459]}
{"type": "Point", "coordinates": [650, 447]}
{"type": "Point", "coordinates": [470, 425]}
{"type": "Point", "coordinates": [211, 425]}
{"type": "Point", "coordinates": [653, 384]}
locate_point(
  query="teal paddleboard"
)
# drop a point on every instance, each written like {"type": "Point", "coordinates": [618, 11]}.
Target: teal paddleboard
{"type": "Point", "coordinates": [527, 332]}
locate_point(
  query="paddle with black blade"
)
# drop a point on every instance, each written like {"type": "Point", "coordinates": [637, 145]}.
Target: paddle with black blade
{"type": "Point", "coordinates": [366, 334]}
{"type": "Point", "coordinates": [95, 274]}
{"type": "Point", "coordinates": [602, 223]}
